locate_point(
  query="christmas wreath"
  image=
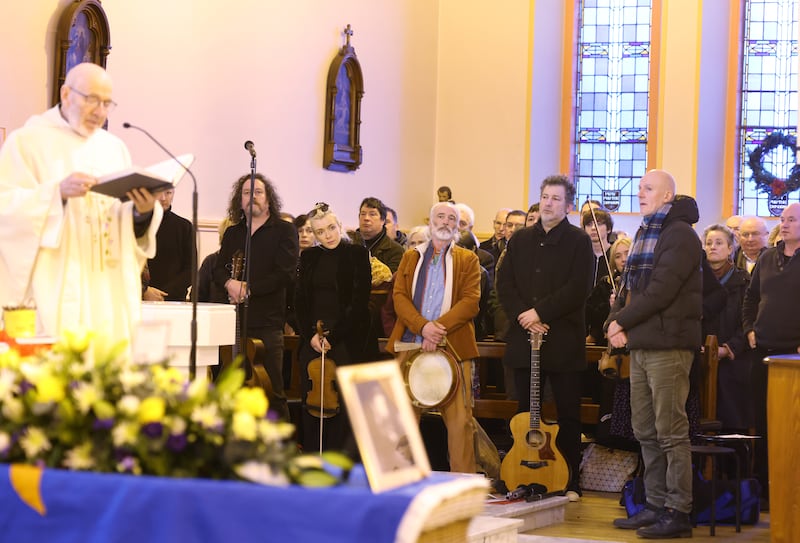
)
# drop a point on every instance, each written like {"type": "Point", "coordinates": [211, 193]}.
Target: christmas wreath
{"type": "Point", "coordinates": [764, 180]}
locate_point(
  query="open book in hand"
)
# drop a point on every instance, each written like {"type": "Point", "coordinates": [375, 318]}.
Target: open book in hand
{"type": "Point", "coordinates": [161, 176]}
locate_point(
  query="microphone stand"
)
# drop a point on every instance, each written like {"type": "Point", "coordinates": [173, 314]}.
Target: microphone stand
{"type": "Point", "coordinates": [247, 251]}
{"type": "Point", "coordinates": [194, 281]}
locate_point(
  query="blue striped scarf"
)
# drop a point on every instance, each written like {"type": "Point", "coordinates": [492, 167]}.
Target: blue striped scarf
{"type": "Point", "coordinates": [640, 261]}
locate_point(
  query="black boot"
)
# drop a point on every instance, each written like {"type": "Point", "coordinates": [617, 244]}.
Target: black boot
{"type": "Point", "coordinates": [647, 516]}
{"type": "Point", "coordinates": [671, 524]}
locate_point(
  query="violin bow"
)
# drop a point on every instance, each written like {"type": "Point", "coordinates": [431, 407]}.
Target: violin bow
{"type": "Point", "coordinates": [603, 249]}
{"type": "Point", "coordinates": [322, 334]}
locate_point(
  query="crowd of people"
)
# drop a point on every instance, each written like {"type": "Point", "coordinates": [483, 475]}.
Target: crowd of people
{"type": "Point", "coordinates": [431, 287]}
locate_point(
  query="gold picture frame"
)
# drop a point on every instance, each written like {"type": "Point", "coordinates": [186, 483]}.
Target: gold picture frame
{"type": "Point", "coordinates": [384, 424]}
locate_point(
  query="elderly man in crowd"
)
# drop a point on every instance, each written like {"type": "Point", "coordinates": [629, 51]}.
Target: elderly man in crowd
{"type": "Point", "coordinates": [753, 240]}
{"type": "Point", "coordinates": [436, 294]}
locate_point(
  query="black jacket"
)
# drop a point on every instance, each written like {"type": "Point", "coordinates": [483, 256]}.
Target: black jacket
{"type": "Point", "coordinates": [381, 247]}
{"type": "Point", "coordinates": [551, 272]}
{"type": "Point", "coordinates": [772, 300]}
{"type": "Point", "coordinates": [353, 280]}
{"type": "Point", "coordinates": [666, 313]}
{"type": "Point", "coordinates": [730, 330]}
{"type": "Point", "coordinates": [171, 268]}
{"type": "Point", "coordinates": [274, 248]}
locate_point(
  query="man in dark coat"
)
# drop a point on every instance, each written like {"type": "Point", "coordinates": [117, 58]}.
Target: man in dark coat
{"type": "Point", "coordinates": [542, 283]}
{"type": "Point", "coordinates": [771, 321]}
{"type": "Point", "coordinates": [657, 316]}
{"type": "Point", "coordinates": [171, 268]}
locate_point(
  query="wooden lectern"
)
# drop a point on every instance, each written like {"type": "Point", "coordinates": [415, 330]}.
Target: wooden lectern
{"type": "Point", "coordinates": [783, 422]}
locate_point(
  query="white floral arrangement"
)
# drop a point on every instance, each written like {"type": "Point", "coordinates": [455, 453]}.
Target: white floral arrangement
{"type": "Point", "coordinates": [83, 406]}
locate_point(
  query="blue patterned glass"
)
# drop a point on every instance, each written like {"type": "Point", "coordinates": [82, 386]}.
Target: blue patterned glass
{"type": "Point", "coordinates": [612, 101]}
{"type": "Point", "coordinates": [768, 100]}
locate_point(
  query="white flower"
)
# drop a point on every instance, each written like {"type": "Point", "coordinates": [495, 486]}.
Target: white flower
{"type": "Point", "coordinates": [128, 405]}
{"type": "Point", "coordinates": [177, 426]}
{"type": "Point", "coordinates": [8, 383]}
{"type": "Point", "coordinates": [34, 442]}
{"type": "Point", "coordinates": [207, 416]}
{"type": "Point", "coordinates": [274, 431]}
{"type": "Point", "coordinates": [85, 394]}
{"type": "Point", "coordinates": [5, 442]}
{"type": "Point", "coordinates": [131, 378]}
{"type": "Point", "coordinates": [80, 457]}
{"type": "Point", "coordinates": [125, 433]}
{"type": "Point", "coordinates": [13, 409]}
{"type": "Point", "coordinates": [198, 389]}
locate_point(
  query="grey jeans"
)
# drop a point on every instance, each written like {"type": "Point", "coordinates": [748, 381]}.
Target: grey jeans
{"type": "Point", "coordinates": [659, 388]}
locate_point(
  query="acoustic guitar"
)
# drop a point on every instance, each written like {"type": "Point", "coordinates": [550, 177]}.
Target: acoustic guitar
{"type": "Point", "coordinates": [251, 349]}
{"type": "Point", "coordinates": [534, 458]}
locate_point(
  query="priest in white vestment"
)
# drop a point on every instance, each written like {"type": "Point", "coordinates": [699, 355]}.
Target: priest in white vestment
{"type": "Point", "coordinates": [76, 254]}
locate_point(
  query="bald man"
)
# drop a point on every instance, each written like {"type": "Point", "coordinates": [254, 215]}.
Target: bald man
{"type": "Point", "coordinates": [657, 317]}
{"type": "Point", "coordinates": [771, 321]}
{"type": "Point", "coordinates": [76, 254]}
{"type": "Point", "coordinates": [753, 234]}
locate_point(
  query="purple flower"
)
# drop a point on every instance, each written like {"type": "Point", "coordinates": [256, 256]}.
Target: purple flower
{"type": "Point", "coordinates": [103, 424]}
{"type": "Point", "coordinates": [153, 429]}
{"type": "Point", "coordinates": [176, 442]}
{"type": "Point", "coordinates": [127, 464]}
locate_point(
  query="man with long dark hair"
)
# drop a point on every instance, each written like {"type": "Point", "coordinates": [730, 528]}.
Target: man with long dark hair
{"type": "Point", "coordinates": [273, 260]}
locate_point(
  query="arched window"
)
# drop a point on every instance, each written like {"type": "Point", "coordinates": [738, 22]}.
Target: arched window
{"type": "Point", "coordinates": [768, 119]}
{"type": "Point", "coordinates": [612, 100]}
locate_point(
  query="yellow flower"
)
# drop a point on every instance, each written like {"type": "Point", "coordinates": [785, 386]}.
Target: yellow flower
{"type": "Point", "coordinates": [198, 390]}
{"type": "Point", "coordinates": [10, 359]}
{"type": "Point", "coordinates": [50, 388]}
{"type": "Point", "coordinates": [103, 410]}
{"type": "Point", "coordinates": [251, 400]}
{"type": "Point", "coordinates": [78, 339]}
{"type": "Point", "coordinates": [244, 426]}
{"type": "Point", "coordinates": [168, 380]}
{"type": "Point", "coordinates": [5, 442]}
{"type": "Point", "coordinates": [152, 409]}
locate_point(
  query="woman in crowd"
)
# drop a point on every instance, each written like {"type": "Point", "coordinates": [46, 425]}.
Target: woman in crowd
{"type": "Point", "coordinates": [417, 236]}
{"type": "Point", "coordinates": [333, 286]}
{"type": "Point", "coordinates": [733, 387]}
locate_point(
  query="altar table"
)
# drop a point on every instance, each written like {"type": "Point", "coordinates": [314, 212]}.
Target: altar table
{"type": "Point", "coordinates": [61, 506]}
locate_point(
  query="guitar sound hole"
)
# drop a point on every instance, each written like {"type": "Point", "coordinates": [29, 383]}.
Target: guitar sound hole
{"type": "Point", "coordinates": [536, 439]}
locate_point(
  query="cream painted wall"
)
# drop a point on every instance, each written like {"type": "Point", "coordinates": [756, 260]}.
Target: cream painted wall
{"type": "Point", "coordinates": [459, 92]}
{"type": "Point", "coordinates": [205, 76]}
{"type": "Point", "coordinates": [482, 102]}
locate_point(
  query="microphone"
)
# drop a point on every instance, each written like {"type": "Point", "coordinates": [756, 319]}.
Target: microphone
{"type": "Point", "coordinates": [195, 282]}
{"type": "Point", "coordinates": [250, 147]}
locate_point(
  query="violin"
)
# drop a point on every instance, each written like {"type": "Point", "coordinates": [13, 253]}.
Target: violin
{"type": "Point", "coordinates": [322, 400]}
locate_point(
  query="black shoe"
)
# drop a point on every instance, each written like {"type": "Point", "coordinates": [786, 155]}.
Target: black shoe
{"type": "Point", "coordinates": [671, 524]}
{"type": "Point", "coordinates": [647, 516]}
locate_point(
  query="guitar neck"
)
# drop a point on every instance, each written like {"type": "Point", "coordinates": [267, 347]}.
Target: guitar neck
{"type": "Point", "coordinates": [535, 408]}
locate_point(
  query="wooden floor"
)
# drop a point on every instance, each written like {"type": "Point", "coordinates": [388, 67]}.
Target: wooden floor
{"type": "Point", "coordinates": [592, 518]}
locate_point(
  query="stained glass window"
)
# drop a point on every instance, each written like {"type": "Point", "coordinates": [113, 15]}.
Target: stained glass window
{"type": "Point", "coordinates": [612, 101]}
{"type": "Point", "coordinates": [769, 103]}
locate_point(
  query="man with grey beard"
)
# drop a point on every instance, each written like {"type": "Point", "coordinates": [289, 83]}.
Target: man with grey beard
{"type": "Point", "coordinates": [436, 295]}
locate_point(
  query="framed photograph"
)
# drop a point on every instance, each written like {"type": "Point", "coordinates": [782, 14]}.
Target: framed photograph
{"type": "Point", "coordinates": [384, 424]}
{"type": "Point", "coordinates": [83, 35]}
{"type": "Point", "coordinates": [345, 88]}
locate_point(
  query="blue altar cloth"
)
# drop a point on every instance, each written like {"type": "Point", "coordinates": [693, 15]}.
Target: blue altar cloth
{"type": "Point", "coordinates": [109, 508]}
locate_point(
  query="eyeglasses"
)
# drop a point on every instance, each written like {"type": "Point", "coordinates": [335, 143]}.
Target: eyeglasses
{"type": "Point", "coordinates": [751, 234]}
{"type": "Point", "coordinates": [320, 207]}
{"type": "Point", "coordinates": [92, 100]}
